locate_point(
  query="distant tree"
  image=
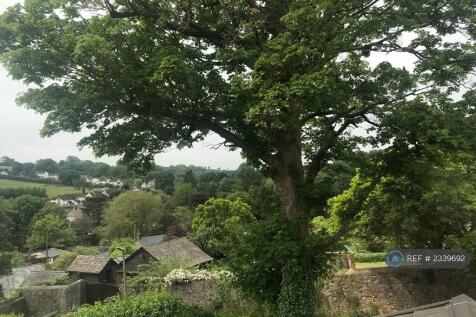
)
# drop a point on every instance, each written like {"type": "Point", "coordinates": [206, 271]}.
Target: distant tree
{"type": "Point", "coordinates": [85, 229]}
{"type": "Point", "coordinates": [183, 217]}
{"type": "Point", "coordinates": [140, 209]}
{"type": "Point", "coordinates": [8, 193]}
{"type": "Point", "coordinates": [175, 231]}
{"type": "Point", "coordinates": [81, 183]}
{"type": "Point", "coordinates": [94, 206]}
{"type": "Point", "coordinates": [7, 161]}
{"type": "Point", "coordinates": [21, 214]}
{"type": "Point", "coordinates": [50, 208]}
{"type": "Point", "coordinates": [28, 169]}
{"type": "Point", "coordinates": [126, 244]}
{"type": "Point", "coordinates": [50, 231]}
{"type": "Point", "coordinates": [47, 165]}
{"type": "Point", "coordinates": [248, 176]}
{"type": "Point", "coordinates": [68, 176]}
{"type": "Point", "coordinates": [218, 225]}
{"type": "Point", "coordinates": [164, 180]}
{"type": "Point", "coordinates": [182, 194]}
{"type": "Point", "coordinates": [189, 177]}
{"type": "Point", "coordinates": [197, 199]}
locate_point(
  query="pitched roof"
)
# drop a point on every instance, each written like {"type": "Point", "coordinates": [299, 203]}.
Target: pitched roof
{"type": "Point", "coordinates": [89, 264]}
{"type": "Point", "coordinates": [181, 248]}
{"type": "Point", "coordinates": [52, 253]}
{"type": "Point", "coordinates": [75, 213]}
{"type": "Point", "coordinates": [459, 306]}
{"type": "Point", "coordinates": [151, 240]}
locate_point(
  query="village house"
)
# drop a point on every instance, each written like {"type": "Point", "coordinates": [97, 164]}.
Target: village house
{"type": "Point", "coordinates": [5, 170]}
{"type": "Point", "coordinates": [43, 257]}
{"type": "Point", "coordinates": [46, 175]}
{"type": "Point", "coordinates": [94, 268]}
{"type": "Point", "coordinates": [68, 201]}
{"type": "Point", "coordinates": [181, 249]}
{"type": "Point", "coordinates": [148, 185]}
{"type": "Point", "coordinates": [75, 214]}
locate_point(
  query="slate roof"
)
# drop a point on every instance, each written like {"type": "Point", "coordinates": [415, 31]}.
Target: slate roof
{"type": "Point", "coordinates": [52, 253]}
{"type": "Point", "coordinates": [459, 306]}
{"type": "Point", "coordinates": [180, 248]}
{"type": "Point", "coordinates": [75, 213]}
{"type": "Point", "coordinates": [151, 240]}
{"type": "Point", "coordinates": [89, 264]}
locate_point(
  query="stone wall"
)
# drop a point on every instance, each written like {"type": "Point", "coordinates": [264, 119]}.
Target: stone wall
{"type": "Point", "coordinates": [17, 306]}
{"type": "Point", "coordinates": [26, 275]}
{"type": "Point", "coordinates": [386, 290]}
{"type": "Point", "coordinates": [201, 293]}
{"type": "Point", "coordinates": [42, 300]}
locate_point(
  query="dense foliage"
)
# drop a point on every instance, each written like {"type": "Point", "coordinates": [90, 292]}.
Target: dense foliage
{"type": "Point", "coordinates": [150, 304]}
{"type": "Point", "coordinates": [219, 224]}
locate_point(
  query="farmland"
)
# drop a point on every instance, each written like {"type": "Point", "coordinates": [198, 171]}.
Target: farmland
{"type": "Point", "coordinates": [51, 190]}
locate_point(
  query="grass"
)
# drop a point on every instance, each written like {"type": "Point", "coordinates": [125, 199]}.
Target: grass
{"type": "Point", "coordinates": [51, 190]}
{"type": "Point", "coordinates": [370, 265]}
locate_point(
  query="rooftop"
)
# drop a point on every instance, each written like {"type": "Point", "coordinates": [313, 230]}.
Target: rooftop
{"type": "Point", "coordinates": [181, 248]}
{"type": "Point", "coordinates": [459, 306]}
{"type": "Point", "coordinates": [89, 264]}
{"type": "Point", "coordinates": [151, 240]}
{"type": "Point", "coordinates": [52, 253]}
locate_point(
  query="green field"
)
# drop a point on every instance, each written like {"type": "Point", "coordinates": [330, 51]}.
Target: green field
{"type": "Point", "coordinates": [370, 265]}
{"type": "Point", "coordinates": [51, 190]}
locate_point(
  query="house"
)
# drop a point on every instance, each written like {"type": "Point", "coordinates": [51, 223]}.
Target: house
{"type": "Point", "coordinates": [148, 241]}
{"type": "Point", "coordinates": [75, 214]}
{"type": "Point", "coordinates": [148, 185]}
{"type": "Point", "coordinates": [40, 257]}
{"type": "Point", "coordinates": [94, 268]}
{"type": "Point", "coordinates": [4, 173]}
{"type": "Point", "coordinates": [5, 168]}
{"type": "Point", "coordinates": [459, 306]}
{"type": "Point", "coordinates": [68, 201]}
{"type": "Point", "coordinates": [180, 249]}
{"type": "Point", "coordinates": [46, 175]}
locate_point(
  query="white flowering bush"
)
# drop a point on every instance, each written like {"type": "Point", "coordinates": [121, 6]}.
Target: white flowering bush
{"type": "Point", "coordinates": [184, 276]}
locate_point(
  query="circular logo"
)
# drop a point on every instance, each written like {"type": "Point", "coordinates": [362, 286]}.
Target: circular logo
{"type": "Point", "coordinates": [395, 258]}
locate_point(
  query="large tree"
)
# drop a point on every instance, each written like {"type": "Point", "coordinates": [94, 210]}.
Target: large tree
{"type": "Point", "coordinates": [286, 82]}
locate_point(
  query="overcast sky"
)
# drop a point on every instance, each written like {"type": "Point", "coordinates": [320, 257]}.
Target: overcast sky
{"type": "Point", "coordinates": [19, 135]}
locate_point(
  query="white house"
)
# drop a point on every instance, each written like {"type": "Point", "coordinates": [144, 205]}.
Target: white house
{"type": "Point", "coordinates": [47, 175]}
{"type": "Point", "coordinates": [148, 185]}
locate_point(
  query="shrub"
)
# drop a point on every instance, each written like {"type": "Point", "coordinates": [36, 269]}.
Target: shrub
{"type": "Point", "coordinates": [370, 257]}
{"type": "Point", "coordinates": [150, 304]}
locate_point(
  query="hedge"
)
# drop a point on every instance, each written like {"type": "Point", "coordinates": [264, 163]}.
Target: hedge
{"type": "Point", "coordinates": [30, 179]}
{"type": "Point", "coordinates": [150, 304]}
{"type": "Point", "coordinates": [370, 257]}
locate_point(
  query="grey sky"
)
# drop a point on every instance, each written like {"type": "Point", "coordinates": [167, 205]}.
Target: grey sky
{"type": "Point", "coordinates": [19, 135]}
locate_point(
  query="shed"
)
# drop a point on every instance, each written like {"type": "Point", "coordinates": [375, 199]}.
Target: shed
{"type": "Point", "coordinates": [181, 249]}
{"type": "Point", "coordinates": [459, 306]}
{"type": "Point", "coordinates": [39, 257]}
{"type": "Point", "coordinates": [94, 268]}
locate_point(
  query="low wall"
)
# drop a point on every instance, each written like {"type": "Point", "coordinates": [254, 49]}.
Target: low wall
{"type": "Point", "coordinates": [18, 306]}
{"type": "Point", "coordinates": [42, 300]}
{"type": "Point", "coordinates": [386, 290]}
{"type": "Point", "coordinates": [201, 293]}
{"type": "Point", "coordinates": [27, 275]}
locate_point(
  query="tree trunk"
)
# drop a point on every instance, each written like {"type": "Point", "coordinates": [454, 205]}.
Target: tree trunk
{"type": "Point", "coordinates": [297, 294]}
{"type": "Point", "coordinates": [288, 174]}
